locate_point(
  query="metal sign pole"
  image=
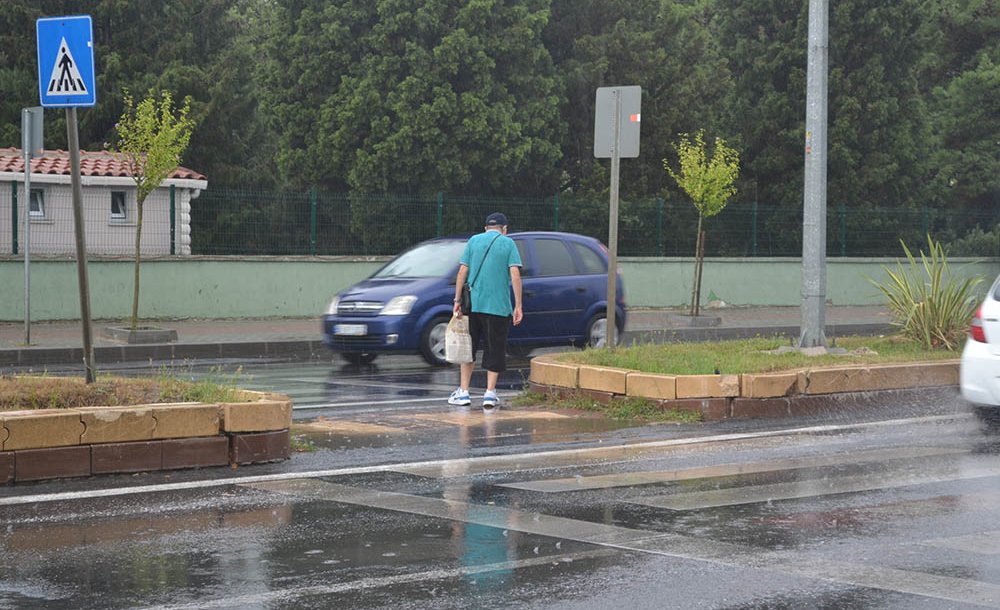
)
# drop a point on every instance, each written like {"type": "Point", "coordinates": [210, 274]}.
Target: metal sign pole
{"type": "Point", "coordinates": [32, 146]}
{"type": "Point", "coordinates": [26, 145]}
{"type": "Point", "coordinates": [81, 245]}
{"type": "Point", "coordinates": [613, 224]}
{"type": "Point", "coordinates": [621, 140]}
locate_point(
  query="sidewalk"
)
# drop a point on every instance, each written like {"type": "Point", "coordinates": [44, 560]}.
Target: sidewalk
{"type": "Point", "coordinates": [61, 342]}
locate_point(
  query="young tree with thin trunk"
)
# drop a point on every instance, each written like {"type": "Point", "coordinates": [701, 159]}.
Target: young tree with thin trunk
{"type": "Point", "coordinates": [709, 183]}
{"type": "Point", "coordinates": [151, 138]}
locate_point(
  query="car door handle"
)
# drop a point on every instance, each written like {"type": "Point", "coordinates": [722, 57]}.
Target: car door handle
{"type": "Point", "coordinates": [581, 289]}
{"type": "Point", "coordinates": [529, 293]}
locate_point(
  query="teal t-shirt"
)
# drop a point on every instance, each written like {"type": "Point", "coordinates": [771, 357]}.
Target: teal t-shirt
{"type": "Point", "coordinates": [491, 288]}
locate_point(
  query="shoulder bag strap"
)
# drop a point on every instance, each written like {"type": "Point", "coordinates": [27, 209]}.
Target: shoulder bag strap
{"type": "Point", "coordinates": [484, 260]}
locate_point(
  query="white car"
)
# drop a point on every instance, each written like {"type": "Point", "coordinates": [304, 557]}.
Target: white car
{"type": "Point", "coordinates": [979, 370]}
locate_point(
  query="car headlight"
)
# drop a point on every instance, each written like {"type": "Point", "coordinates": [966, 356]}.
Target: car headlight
{"type": "Point", "coordinates": [399, 306]}
{"type": "Point", "coordinates": [331, 309]}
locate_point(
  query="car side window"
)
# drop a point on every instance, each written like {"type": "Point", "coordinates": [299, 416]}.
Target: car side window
{"type": "Point", "coordinates": [522, 250]}
{"type": "Point", "coordinates": [592, 261]}
{"type": "Point", "coordinates": [553, 258]}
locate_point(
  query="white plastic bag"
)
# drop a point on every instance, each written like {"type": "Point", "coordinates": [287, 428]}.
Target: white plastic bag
{"type": "Point", "coordinates": [458, 341]}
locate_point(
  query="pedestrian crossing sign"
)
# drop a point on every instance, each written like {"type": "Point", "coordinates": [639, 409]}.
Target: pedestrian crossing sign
{"type": "Point", "coordinates": [66, 61]}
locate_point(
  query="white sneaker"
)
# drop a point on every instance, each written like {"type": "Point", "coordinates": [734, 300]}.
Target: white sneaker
{"type": "Point", "coordinates": [490, 401]}
{"type": "Point", "coordinates": [460, 398]}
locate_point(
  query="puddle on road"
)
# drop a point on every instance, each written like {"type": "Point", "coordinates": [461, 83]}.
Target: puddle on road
{"type": "Point", "coordinates": [464, 428]}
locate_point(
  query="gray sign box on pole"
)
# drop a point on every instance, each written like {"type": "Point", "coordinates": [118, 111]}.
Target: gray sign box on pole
{"type": "Point", "coordinates": [604, 122]}
{"type": "Point", "coordinates": [32, 123]}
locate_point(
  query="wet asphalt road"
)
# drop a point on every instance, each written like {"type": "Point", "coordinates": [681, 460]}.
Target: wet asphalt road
{"type": "Point", "coordinates": [406, 503]}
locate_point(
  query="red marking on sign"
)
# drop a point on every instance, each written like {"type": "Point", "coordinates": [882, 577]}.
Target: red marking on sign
{"type": "Point", "coordinates": [634, 118]}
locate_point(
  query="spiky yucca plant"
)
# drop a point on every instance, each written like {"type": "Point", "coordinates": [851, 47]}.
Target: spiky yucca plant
{"type": "Point", "coordinates": [929, 304]}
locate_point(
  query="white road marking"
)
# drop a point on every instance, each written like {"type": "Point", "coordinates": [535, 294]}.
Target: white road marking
{"type": "Point", "coordinates": [679, 546]}
{"type": "Point", "coordinates": [810, 488]}
{"type": "Point", "coordinates": [442, 400]}
{"type": "Point", "coordinates": [631, 479]}
{"type": "Point", "coordinates": [483, 464]}
{"type": "Point", "coordinates": [984, 543]}
{"type": "Point", "coordinates": [289, 595]}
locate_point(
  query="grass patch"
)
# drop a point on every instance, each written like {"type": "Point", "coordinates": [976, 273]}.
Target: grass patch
{"type": "Point", "coordinates": [752, 356]}
{"type": "Point", "coordinates": [49, 392]}
{"type": "Point", "coordinates": [624, 408]}
{"type": "Point", "coordinates": [302, 445]}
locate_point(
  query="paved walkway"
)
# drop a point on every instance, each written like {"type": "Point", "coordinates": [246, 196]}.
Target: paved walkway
{"type": "Point", "coordinates": [60, 342]}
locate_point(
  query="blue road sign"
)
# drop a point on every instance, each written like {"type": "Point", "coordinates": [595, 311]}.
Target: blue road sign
{"type": "Point", "coordinates": [66, 61]}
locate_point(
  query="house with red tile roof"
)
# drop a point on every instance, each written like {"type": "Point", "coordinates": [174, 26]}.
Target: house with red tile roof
{"type": "Point", "coordinates": [109, 206]}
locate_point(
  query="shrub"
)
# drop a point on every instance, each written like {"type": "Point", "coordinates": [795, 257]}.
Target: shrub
{"type": "Point", "coordinates": [929, 304]}
{"type": "Point", "coordinates": [976, 242]}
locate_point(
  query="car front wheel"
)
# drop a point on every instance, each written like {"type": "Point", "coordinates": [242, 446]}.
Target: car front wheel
{"type": "Point", "coordinates": [597, 331]}
{"type": "Point", "coordinates": [432, 341]}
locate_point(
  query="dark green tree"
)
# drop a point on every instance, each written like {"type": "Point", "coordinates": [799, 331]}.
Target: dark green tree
{"type": "Point", "coordinates": [665, 47]}
{"type": "Point", "coordinates": [962, 84]}
{"type": "Point", "coordinates": [199, 48]}
{"type": "Point", "coordinates": [879, 130]}
{"type": "Point", "coordinates": [443, 95]}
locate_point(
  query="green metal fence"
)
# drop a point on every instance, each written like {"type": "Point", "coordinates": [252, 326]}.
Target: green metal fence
{"type": "Point", "coordinates": [227, 221]}
{"type": "Point", "coordinates": [252, 222]}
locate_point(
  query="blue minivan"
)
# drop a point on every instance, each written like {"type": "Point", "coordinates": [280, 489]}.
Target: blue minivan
{"type": "Point", "coordinates": [405, 306]}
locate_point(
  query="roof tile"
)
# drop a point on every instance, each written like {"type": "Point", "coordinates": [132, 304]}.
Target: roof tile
{"type": "Point", "coordinates": [100, 163]}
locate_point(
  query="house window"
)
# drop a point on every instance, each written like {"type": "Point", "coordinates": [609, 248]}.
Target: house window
{"type": "Point", "coordinates": [118, 209]}
{"type": "Point", "coordinates": [36, 206]}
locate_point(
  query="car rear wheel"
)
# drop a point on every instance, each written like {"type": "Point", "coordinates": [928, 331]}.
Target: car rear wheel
{"type": "Point", "coordinates": [432, 341]}
{"type": "Point", "coordinates": [597, 331]}
{"type": "Point", "coordinates": [358, 357]}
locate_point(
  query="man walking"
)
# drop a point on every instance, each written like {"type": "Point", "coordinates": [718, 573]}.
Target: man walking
{"type": "Point", "coordinates": [493, 263]}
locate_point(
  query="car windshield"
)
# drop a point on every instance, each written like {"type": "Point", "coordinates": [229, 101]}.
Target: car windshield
{"type": "Point", "coordinates": [433, 259]}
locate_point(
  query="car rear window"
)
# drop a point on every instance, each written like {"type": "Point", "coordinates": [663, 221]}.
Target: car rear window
{"type": "Point", "coordinates": [592, 261]}
{"type": "Point", "coordinates": [554, 258]}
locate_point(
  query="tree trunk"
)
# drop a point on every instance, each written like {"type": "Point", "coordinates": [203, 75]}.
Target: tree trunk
{"type": "Point", "coordinates": [135, 282]}
{"type": "Point", "coordinates": [699, 251]}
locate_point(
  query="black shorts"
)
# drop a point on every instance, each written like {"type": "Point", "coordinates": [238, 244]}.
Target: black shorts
{"type": "Point", "coordinates": [490, 332]}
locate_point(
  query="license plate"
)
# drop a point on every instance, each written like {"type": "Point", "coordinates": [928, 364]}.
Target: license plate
{"type": "Point", "coordinates": [350, 330]}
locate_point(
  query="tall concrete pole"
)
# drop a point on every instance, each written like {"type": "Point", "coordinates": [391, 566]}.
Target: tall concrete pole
{"type": "Point", "coordinates": [813, 309]}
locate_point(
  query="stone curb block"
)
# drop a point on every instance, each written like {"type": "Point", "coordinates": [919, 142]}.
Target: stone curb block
{"type": "Point", "coordinates": [877, 377]}
{"type": "Point", "coordinates": [42, 429]}
{"type": "Point", "coordinates": [111, 458]}
{"type": "Point", "coordinates": [195, 452]}
{"type": "Point", "coordinates": [258, 447]}
{"type": "Point", "coordinates": [51, 463]}
{"type": "Point", "coordinates": [184, 420]}
{"type": "Point", "coordinates": [710, 409]}
{"type": "Point", "coordinates": [546, 371]}
{"type": "Point", "coordinates": [714, 409]}
{"type": "Point", "coordinates": [116, 424]}
{"type": "Point", "coordinates": [603, 379]}
{"type": "Point", "coordinates": [6, 467]}
{"type": "Point", "coordinates": [708, 386]}
{"type": "Point", "coordinates": [260, 416]}
{"type": "Point", "coordinates": [143, 456]}
{"type": "Point", "coordinates": [645, 385]}
{"type": "Point", "coordinates": [827, 380]}
{"type": "Point", "coordinates": [61, 443]}
{"type": "Point", "coordinates": [769, 385]}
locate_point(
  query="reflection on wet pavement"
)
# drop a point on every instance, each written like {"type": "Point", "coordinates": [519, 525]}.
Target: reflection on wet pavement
{"type": "Point", "coordinates": [888, 515]}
